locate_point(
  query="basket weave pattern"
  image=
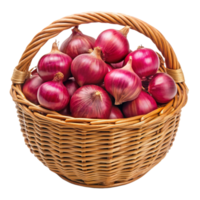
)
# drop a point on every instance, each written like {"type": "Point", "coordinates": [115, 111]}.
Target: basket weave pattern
{"type": "Point", "coordinates": [93, 152]}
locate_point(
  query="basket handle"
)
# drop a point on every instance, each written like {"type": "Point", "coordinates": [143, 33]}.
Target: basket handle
{"type": "Point", "coordinates": [173, 66]}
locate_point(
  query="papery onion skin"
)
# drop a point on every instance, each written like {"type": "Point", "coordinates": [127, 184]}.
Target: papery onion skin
{"type": "Point", "coordinates": [54, 62]}
{"type": "Point", "coordinates": [115, 113]}
{"type": "Point", "coordinates": [31, 87]}
{"type": "Point", "coordinates": [53, 94]}
{"type": "Point", "coordinates": [90, 101]}
{"type": "Point", "coordinates": [89, 68]}
{"type": "Point", "coordinates": [77, 43]}
{"type": "Point", "coordinates": [162, 87]}
{"type": "Point", "coordinates": [123, 84]}
{"type": "Point", "coordinates": [143, 104]}
{"type": "Point", "coordinates": [145, 62]}
{"type": "Point", "coordinates": [114, 44]}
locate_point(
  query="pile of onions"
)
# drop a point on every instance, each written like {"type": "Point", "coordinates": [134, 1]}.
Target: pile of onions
{"type": "Point", "coordinates": [54, 62]}
{"type": "Point", "coordinates": [114, 44]}
{"type": "Point", "coordinates": [162, 87]}
{"type": "Point", "coordinates": [123, 84]}
{"type": "Point", "coordinates": [90, 101]}
{"type": "Point", "coordinates": [87, 78]}
{"type": "Point", "coordinates": [143, 104]}
{"type": "Point", "coordinates": [31, 87]}
{"type": "Point", "coordinates": [77, 43]}
{"type": "Point", "coordinates": [53, 94]}
{"type": "Point", "coordinates": [145, 62]}
{"type": "Point", "coordinates": [89, 68]}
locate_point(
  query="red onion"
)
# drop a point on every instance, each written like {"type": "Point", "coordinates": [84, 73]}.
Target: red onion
{"type": "Point", "coordinates": [115, 113]}
{"type": "Point", "coordinates": [65, 111]}
{"type": "Point", "coordinates": [117, 65]}
{"type": "Point", "coordinates": [114, 44]}
{"type": "Point", "coordinates": [71, 86]}
{"type": "Point", "coordinates": [77, 43]}
{"type": "Point", "coordinates": [145, 62]}
{"type": "Point", "coordinates": [123, 84]}
{"type": "Point", "coordinates": [90, 101]}
{"type": "Point", "coordinates": [162, 87]}
{"type": "Point", "coordinates": [143, 104]}
{"type": "Point", "coordinates": [89, 68]}
{"type": "Point", "coordinates": [53, 94]}
{"type": "Point", "coordinates": [109, 67]}
{"type": "Point", "coordinates": [34, 72]}
{"type": "Point", "coordinates": [30, 88]}
{"type": "Point", "coordinates": [145, 82]}
{"type": "Point", "coordinates": [54, 62]}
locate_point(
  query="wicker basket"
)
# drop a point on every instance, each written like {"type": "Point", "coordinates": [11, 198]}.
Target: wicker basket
{"type": "Point", "coordinates": [93, 152]}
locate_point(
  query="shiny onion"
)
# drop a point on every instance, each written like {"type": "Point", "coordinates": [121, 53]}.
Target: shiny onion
{"type": "Point", "coordinates": [53, 94]}
{"type": "Point", "coordinates": [145, 62]}
{"type": "Point", "coordinates": [30, 88]}
{"type": "Point", "coordinates": [115, 113]}
{"type": "Point", "coordinates": [34, 72]}
{"type": "Point", "coordinates": [89, 68]}
{"type": "Point", "coordinates": [71, 86]}
{"type": "Point", "coordinates": [109, 67]}
{"type": "Point", "coordinates": [54, 62]}
{"type": "Point", "coordinates": [162, 87]}
{"type": "Point", "coordinates": [143, 104]}
{"type": "Point", "coordinates": [117, 65]}
{"type": "Point", "coordinates": [114, 44]}
{"type": "Point", "coordinates": [123, 84]}
{"type": "Point", "coordinates": [145, 82]}
{"type": "Point", "coordinates": [66, 111]}
{"type": "Point", "coordinates": [77, 43]}
{"type": "Point", "coordinates": [90, 101]}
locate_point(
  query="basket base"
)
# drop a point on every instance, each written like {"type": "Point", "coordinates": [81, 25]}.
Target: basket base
{"type": "Point", "coordinates": [100, 186]}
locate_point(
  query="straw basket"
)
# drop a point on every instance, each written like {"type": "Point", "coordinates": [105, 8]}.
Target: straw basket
{"type": "Point", "coordinates": [93, 152]}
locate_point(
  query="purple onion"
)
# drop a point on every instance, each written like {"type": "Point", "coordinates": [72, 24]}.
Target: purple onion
{"type": "Point", "coordinates": [89, 68]}
{"type": "Point", "coordinates": [123, 84]}
{"type": "Point", "coordinates": [143, 104]}
{"type": "Point", "coordinates": [71, 86]}
{"type": "Point", "coordinates": [90, 101]}
{"type": "Point", "coordinates": [54, 62]}
{"type": "Point", "coordinates": [115, 113]}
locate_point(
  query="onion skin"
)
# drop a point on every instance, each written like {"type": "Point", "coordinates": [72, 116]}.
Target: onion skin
{"type": "Point", "coordinates": [34, 72]}
{"type": "Point", "coordinates": [123, 84]}
{"type": "Point", "coordinates": [162, 87]}
{"type": "Point", "coordinates": [114, 44]}
{"type": "Point", "coordinates": [54, 62]}
{"type": "Point", "coordinates": [90, 101]}
{"type": "Point", "coordinates": [66, 111]}
{"type": "Point", "coordinates": [115, 113]}
{"type": "Point", "coordinates": [31, 87]}
{"type": "Point", "coordinates": [89, 68]}
{"type": "Point", "coordinates": [117, 65]}
{"type": "Point", "coordinates": [71, 86]}
{"type": "Point", "coordinates": [140, 106]}
{"type": "Point", "coordinates": [109, 67]}
{"type": "Point", "coordinates": [77, 43]}
{"type": "Point", "coordinates": [53, 95]}
{"type": "Point", "coordinates": [145, 62]}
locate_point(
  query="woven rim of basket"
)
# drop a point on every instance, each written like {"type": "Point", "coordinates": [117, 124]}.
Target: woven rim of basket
{"type": "Point", "coordinates": [173, 68]}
